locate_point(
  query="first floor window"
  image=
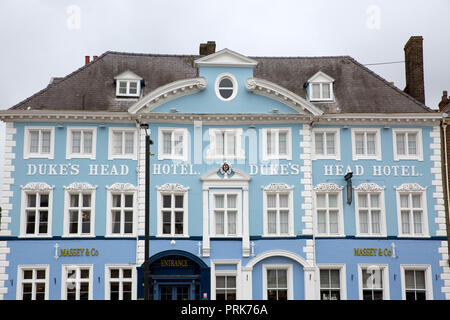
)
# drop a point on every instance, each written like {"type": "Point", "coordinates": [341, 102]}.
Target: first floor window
{"type": "Point", "coordinates": [172, 210]}
{"type": "Point", "coordinates": [33, 283]}
{"type": "Point", "coordinates": [122, 208]}
{"type": "Point", "coordinates": [80, 213]}
{"type": "Point", "coordinates": [37, 213]}
{"type": "Point", "coordinates": [77, 283]}
{"type": "Point", "coordinates": [277, 284]}
{"type": "Point", "coordinates": [328, 213]}
{"type": "Point", "coordinates": [330, 287]}
{"type": "Point", "coordinates": [226, 212]}
{"type": "Point", "coordinates": [120, 283]}
{"type": "Point", "coordinates": [412, 214]}
{"type": "Point", "coordinates": [370, 213]}
{"type": "Point", "coordinates": [225, 287]}
{"type": "Point", "coordinates": [278, 210]}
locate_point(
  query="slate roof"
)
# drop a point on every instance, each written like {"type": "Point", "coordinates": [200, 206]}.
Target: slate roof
{"type": "Point", "coordinates": [91, 87]}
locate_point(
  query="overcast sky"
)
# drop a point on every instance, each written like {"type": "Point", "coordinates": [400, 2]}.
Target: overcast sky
{"type": "Point", "coordinates": [41, 39]}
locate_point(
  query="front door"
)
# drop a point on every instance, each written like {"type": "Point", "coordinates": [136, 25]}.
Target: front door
{"type": "Point", "coordinates": [174, 292]}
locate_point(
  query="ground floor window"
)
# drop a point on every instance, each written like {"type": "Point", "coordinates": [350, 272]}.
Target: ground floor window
{"type": "Point", "coordinates": [226, 287]}
{"type": "Point", "coordinates": [33, 283]}
{"type": "Point", "coordinates": [119, 282]}
{"type": "Point", "coordinates": [416, 282]}
{"type": "Point", "coordinates": [373, 282]}
{"type": "Point", "coordinates": [77, 282]}
{"type": "Point", "coordinates": [277, 282]}
{"type": "Point", "coordinates": [330, 287]}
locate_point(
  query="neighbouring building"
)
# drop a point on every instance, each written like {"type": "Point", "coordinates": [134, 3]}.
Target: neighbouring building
{"type": "Point", "coordinates": [270, 178]}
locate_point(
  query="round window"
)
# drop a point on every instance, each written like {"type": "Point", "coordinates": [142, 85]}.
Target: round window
{"type": "Point", "coordinates": [226, 87]}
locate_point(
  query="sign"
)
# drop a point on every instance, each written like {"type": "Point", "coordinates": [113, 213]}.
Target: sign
{"type": "Point", "coordinates": [167, 263]}
{"type": "Point", "coordinates": [75, 252]}
{"type": "Point", "coordinates": [69, 169]}
{"type": "Point", "coordinates": [375, 170]}
{"type": "Point", "coordinates": [375, 252]}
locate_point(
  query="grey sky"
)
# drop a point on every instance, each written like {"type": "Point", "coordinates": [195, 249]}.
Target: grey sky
{"type": "Point", "coordinates": [47, 38]}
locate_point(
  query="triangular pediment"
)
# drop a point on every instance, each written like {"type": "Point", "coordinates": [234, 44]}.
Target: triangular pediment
{"type": "Point", "coordinates": [226, 58]}
{"type": "Point", "coordinates": [320, 77]}
{"type": "Point", "coordinates": [128, 75]}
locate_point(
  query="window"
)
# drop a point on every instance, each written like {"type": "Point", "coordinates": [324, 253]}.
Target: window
{"type": "Point", "coordinates": [369, 206]}
{"type": "Point", "coordinates": [226, 213]}
{"type": "Point", "coordinates": [407, 144]}
{"type": "Point", "coordinates": [36, 210]}
{"type": "Point", "coordinates": [366, 144]}
{"type": "Point", "coordinates": [330, 286]}
{"type": "Point", "coordinates": [172, 210]}
{"type": "Point", "coordinates": [278, 206]}
{"type": "Point", "coordinates": [80, 209]}
{"type": "Point", "coordinates": [277, 282]}
{"type": "Point", "coordinates": [277, 144]}
{"type": "Point", "coordinates": [173, 144]}
{"type": "Point", "coordinates": [373, 282]}
{"type": "Point", "coordinates": [411, 204]}
{"type": "Point", "coordinates": [226, 287]}
{"type": "Point", "coordinates": [225, 144]}
{"type": "Point", "coordinates": [326, 144]}
{"type": "Point", "coordinates": [329, 217]}
{"type": "Point", "coordinates": [77, 283]}
{"type": "Point", "coordinates": [416, 282]}
{"type": "Point", "coordinates": [122, 143]}
{"type": "Point", "coordinates": [128, 88]}
{"type": "Point", "coordinates": [39, 142]}
{"type": "Point", "coordinates": [81, 142]}
{"type": "Point", "coordinates": [121, 212]}
{"type": "Point", "coordinates": [226, 87]}
{"type": "Point", "coordinates": [32, 283]}
{"type": "Point", "coordinates": [119, 283]}
{"type": "Point", "coordinates": [320, 87]}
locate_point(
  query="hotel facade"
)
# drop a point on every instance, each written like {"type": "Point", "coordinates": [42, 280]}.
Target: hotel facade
{"type": "Point", "coordinates": [270, 178]}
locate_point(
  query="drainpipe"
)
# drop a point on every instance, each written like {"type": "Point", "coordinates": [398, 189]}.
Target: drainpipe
{"type": "Point", "coordinates": [446, 189]}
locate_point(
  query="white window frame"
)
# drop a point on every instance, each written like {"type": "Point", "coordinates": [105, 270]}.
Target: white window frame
{"type": "Point", "coordinates": [212, 219]}
{"type": "Point", "coordinates": [172, 190]}
{"type": "Point", "coordinates": [217, 83]}
{"type": "Point", "coordinates": [423, 200]}
{"type": "Point", "coordinates": [128, 85]}
{"type": "Point", "coordinates": [123, 130]}
{"type": "Point", "coordinates": [77, 280]}
{"type": "Point", "coordinates": [337, 144]}
{"type": "Point", "coordinates": [38, 189]}
{"type": "Point", "coordinates": [271, 190]}
{"type": "Point", "coordinates": [321, 97]}
{"type": "Point", "coordinates": [377, 156]}
{"type": "Point", "coordinates": [108, 280]}
{"type": "Point", "coordinates": [380, 192]}
{"type": "Point", "coordinates": [21, 280]}
{"type": "Point", "coordinates": [234, 272]}
{"type": "Point", "coordinates": [342, 279]}
{"type": "Point", "coordinates": [385, 278]}
{"type": "Point", "coordinates": [340, 209]}
{"type": "Point", "coordinates": [289, 274]}
{"type": "Point", "coordinates": [172, 156]}
{"type": "Point", "coordinates": [27, 154]}
{"type": "Point", "coordinates": [276, 155]}
{"type": "Point", "coordinates": [81, 154]}
{"type": "Point", "coordinates": [211, 151]}
{"type": "Point", "coordinates": [419, 149]}
{"type": "Point", "coordinates": [121, 189]}
{"type": "Point", "coordinates": [428, 279]}
{"type": "Point", "coordinates": [79, 189]}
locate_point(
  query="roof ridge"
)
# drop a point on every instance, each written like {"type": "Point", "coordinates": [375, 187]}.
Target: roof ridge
{"type": "Point", "coordinates": [387, 83]}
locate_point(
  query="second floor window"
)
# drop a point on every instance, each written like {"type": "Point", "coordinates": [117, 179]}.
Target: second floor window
{"type": "Point", "coordinates": [276, 143]}
{"type": "Point", "coordinates": [81, 143]}
{"type": "Point", "coordinates": [122, 143]}
{"type": "Point", "coordinates": [172, 144]}
{"type": "Point", "coordinates": [39, 142]}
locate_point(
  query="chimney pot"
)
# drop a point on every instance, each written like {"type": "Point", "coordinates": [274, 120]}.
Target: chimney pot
{"type": "Point", "coordinates": [207, 48]}
{"type": "Point", "coordinates": [414, 68]}
{"type": "Point", "coordinates": [95, 57]}
{"type": "Point", "coordinates": [87, 59]}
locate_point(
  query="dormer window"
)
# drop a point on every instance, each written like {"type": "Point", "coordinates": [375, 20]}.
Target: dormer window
{"type": "Point", "coordinates": [320, 87]}
{"type": "Point", "coordinates": [128, 84]}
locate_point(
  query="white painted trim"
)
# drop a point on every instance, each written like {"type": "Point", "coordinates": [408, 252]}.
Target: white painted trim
{"type": "Point", "coordinates": [290, 278]}
{"type": "Point", "coordinates": [128, 88]}
{"type": "Point", "coordinates": [337, 144]}
{"type": "Point", "coordinates": [233, 80]}
{"type": "Point", "coordinates": [26, 144]}
{"type": "Point", "coordinates": [20, 268]}
{"type": "Point", "coordinates": [225, 58]}
{"type": "Point", "coordinates": [111, 155]}
{"type": "Point", "coordinates": [69, 140]}
{"type": "Point", "coordinates": [173, 156]}
{"type": "Point", "coordinates": [419, 155]}
{"type": "Point", "coordinates": [133, 280]}
{"type": "Point", "coordinates": [385, 278]}
{"type": "Point", "coordinates": [428, 278]}
{"type": "Point", "coordinates": [280, 253]}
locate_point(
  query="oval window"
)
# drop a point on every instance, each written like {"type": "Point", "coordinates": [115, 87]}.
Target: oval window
{"type": "Point", "coordinates": [226, 87]}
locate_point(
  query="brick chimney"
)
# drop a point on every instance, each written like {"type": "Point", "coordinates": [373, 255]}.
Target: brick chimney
{"type": "Point", "coordinates": [87, 59]}
{"type": "Point", "coordinates": [414, 68]}
{"type": "Point", "coordinates": [445, 101]}
{"type": "Point", "coordinates": [207, 48]}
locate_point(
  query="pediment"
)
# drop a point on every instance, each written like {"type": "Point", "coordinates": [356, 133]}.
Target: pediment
{"type": "Point", "coordinates": [320, 77]}
{"type": "Point", "coordinates": [216, 175]}
{"type": "Point", "coordinates": [226, 58]}
{"type": "Point", "coordinates": [128, 75]}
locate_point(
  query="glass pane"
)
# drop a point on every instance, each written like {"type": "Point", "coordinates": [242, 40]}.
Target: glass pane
{"type": "Point", "coordinates": [40, 274]}
{"type": "Point", "coordinates": [374, 201]}
{"type": "Point", "coordinates": [27, 291]}
{"type": "Point", "coordinates": [334, 275]}
{"type": "Point", "coordinates": [167, 142]}
{"type": "Point", "coordinates": [128, 228]}
{"type": "Point", "coordinates": [126, 273]}
{"type": "Point", "coordinates": [179, 201]}
{"type": "Point", "coordinates": [282, 278]}
{"type": "Point", "coordinates": [272, 222]}
{"type": "Point", "coordinates": [128, 200]}
{"type": "Point", "coordinates": [318, 143]}
{"type": "Point", "coordinates": [371, 147]}
{"type": "Point", "coordinates": [271, 200]}
{"type": "Point", "coordinates": [332, 200]}
{"type": "Point", "coordinates": [43, 221]}
{"type": "Point", "coordinates": [359, 143]}
{"type": "Point", "coordinates": [219, 201]}
{"type": "Point", "coordinates": [325, 90]}
{"type": "Point", "coordinates": [115, 221]}
{"type": "Point", "coordinates": [225, 93]}
{"type": "Point", "coordinates": [87, 142]}
{"type": "Point", "coordinates": [122, 87]}
{"type": "Point", "coordinates": [409, 279]}
{"type": "Point", "coordinates": [231, 144]}
{"type": "Point", "coordinates": [284, 200]}
{"type": "Point", "coordinates": [220, 222]}
{"type": "Point", "coordinates": [321, 201]}
{"type": "Point", "coordinates": [74, 200]}
{"type": "Point", "coordinates": [226, 83]}
{"type": "Point", "coordinates": [324, 278]}
{"type": "Point", "coordinates": [179, 222]}
{"type": "Point", "coordinates": [133, 87]}
{"type": "Point", "coordinates": [284, 222]}
{"type": "Point", "coordinates": [363, 222]}
{"type": "Point", "coordinates": [376, 222]}
{"type": "Point", "coordinates": [167, 201]}
{"type": "Point", "coordinates": [322, 221]}
{"type": "Point", "coordinates": [231, 223]}
{"type": "Point", "coordinates": [404, 201]}
{"type": "Point", "coordinates": [34, 141]}
{"type": "Point", "coordinates": [167, 217]}
{"type": "Point", "coordinates": [271, 278]}
{"type": "Point", "coordinates": [220, 281]}
{"type": "Point", "coordinates": [44, 201]}
{"type": "Point", "coordinates": [282, 146]}
{"type": "Point", "coordinates": [28, 274]}
{"type": "Point", "coordinates": [417, 215]}
{"type": "Point", "coordinates": [73, 224]}
{"type": "Point", "coordinates": [31, 219]}
{"type": "Point", "coordinates": [362, 200]}
{"type": "Point", "coordinates": [420, 279]}
{"type": "Point", "coordinates": [405, 222]}
{"type": "Point", "coordinates": [31, 200]}
{"type": "Point", "coordinates": [400, 137]}
{"type": "Point", "coordinates": [330, 143]}
{"type": "Point", "coordinates": [116, 200]}
{"type": "Point", "coordinates": [76, 141]}
{"type": "Point", "coordinates": [270, 143]}
{"type": "Point", "coordinates": [416, 201]}
{"type": "Point", "coordinates": [334, 222]}
{"type": "Point", "coordinates": [231, 201]}
{"type": "Point", "coordinates": [412, 144]}
{"type": "Point", "coordinates": [129, 142]}
{"type": "Point", "coordinates": [316, 91]}
{"type": "Point", "coordinates": [231, 282]}
{"type": "Point", "coordinates": [220, 143]}
{"type": "Point", "coordinates": [45, 135]}
{"type": "Point", "coordinates": [86, 200]}
{"type": "Point", "coordinates": [178, 143]}
{"type": "Point", "coordinates": [117, 142]}
{"type": "Point", "coordinates": [86, 221]}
